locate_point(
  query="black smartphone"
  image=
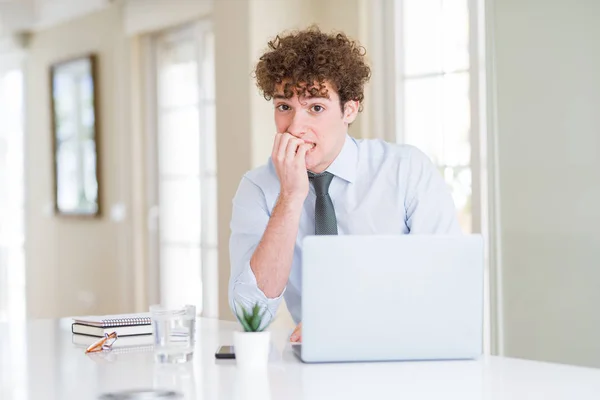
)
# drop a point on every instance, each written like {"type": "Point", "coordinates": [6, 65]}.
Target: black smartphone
{"type": "Point", "coordinates": [225, 352]}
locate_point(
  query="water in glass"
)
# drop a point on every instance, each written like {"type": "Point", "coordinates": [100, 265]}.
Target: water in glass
{"type": "Point", "coordinates": [174, 333]}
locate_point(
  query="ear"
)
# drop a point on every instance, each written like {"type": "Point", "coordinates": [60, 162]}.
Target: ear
{"type": "Point", "coordinates": [350, 111]}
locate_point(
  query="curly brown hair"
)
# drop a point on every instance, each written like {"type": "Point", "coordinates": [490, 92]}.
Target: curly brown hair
{"type": "Point", "coordinates": [304, 60]}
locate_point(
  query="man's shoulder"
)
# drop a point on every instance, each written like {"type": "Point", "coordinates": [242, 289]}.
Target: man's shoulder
{"type": "Point", "coordinates": [374, 150]}
{"type": "Point", "coordinates": [264, 176]}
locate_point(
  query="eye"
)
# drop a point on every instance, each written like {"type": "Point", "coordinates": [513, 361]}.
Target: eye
{"type": "Point", "coordinates": [283, 107]}
{"type": "Point", "coordinates": [318, 108]}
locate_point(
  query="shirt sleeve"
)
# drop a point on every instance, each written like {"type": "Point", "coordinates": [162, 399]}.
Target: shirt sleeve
{"type": "Point", "coordinates": [249, 220]}
{"type": "Point", "coordinates": [429, 205]}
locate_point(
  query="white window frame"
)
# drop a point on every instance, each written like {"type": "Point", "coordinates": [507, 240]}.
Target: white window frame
{"type": "Point", "coordinates": [14, 303]}
{"type": "Point", "coordinates": [14, 58]}
{"type": "Point", "coordinates": [387, 107]}
{"type": "Point", "coordinates": [209, 272]}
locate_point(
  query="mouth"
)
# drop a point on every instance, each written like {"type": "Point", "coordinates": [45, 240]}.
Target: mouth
{"type": "Point", "coordinates": [313, 145]}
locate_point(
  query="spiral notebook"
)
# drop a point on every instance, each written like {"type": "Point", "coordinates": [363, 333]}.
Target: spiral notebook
{"type": "Point", "coordinates": [123, 324]}
{"type": "Point", "coordinates": [111, 321]}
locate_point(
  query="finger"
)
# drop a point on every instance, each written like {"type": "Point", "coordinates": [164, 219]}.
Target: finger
{"type": "Point", "coordinates": [301, 154]}
{"type": "Point", "coordinates": [292, 148]}
{"type": "Point", "coordinates": [276, 144]}
{"type": "Point", "coordinates": [294, 335]}
{"type": "Point", "coordinates": [297, 334]}
{"type": "Point", "coordinates": [285, 138]}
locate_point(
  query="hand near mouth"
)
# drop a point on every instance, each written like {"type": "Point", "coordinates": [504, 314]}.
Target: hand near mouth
{"type": "Point", "coordinates": [312, 146]}
{"type": "Point", "coordinates": [289, 159]}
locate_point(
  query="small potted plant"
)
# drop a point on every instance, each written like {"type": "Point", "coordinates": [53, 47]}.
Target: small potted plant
{"type": "Point", "coordinates": [251, 345]}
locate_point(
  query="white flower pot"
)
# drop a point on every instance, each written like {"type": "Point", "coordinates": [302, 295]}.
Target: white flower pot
{"type": "Point", "coordinates": [252, 348]}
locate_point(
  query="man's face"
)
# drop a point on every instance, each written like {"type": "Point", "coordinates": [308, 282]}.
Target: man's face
{"type": "Point", "coordinates": [316, 120]}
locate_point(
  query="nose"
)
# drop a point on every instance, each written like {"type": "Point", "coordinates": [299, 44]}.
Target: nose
{"type": "Point", "coordinates": [298, 125]}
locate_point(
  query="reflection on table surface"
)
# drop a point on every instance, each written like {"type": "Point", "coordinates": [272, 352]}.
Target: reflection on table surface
{"type": "Point", "coordinates": [40, 361]}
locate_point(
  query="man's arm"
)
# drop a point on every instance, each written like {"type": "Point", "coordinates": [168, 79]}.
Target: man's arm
{"type": "Point", "coordinates": [260, 248]}
{"type": "Point", "coordinates": [272, 259]}
{"type": "Point", "coordinates": [261, 256]}
{"type": "Point", "coordinates": [249, 220]}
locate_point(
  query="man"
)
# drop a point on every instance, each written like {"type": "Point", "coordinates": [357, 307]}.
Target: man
{"type": "Point", "coordinates": [319, 180]}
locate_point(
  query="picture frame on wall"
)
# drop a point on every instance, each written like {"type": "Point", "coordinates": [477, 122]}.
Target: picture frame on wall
{"type": "Point", "coordinates": [75, 136]}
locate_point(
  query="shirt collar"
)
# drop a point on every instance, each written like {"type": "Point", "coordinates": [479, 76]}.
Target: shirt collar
{"type": "Point", "coordinates": [345, 164]}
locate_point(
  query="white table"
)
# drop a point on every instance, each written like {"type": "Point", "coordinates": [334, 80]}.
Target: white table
{"type": "Point", "coordinates": [39, 361]}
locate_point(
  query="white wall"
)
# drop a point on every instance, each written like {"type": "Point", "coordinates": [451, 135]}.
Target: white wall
{"type": "Point", "coordinates": [20, 15]}
{"type": "Point", "coordinates": [144, 16]}
{"type": "Point", "coordinates": [234, 139]}
{"type": "Point", "coordinates": [337, 15]}
{"type": "Point", "coordinates": [548, 93]}
{"type": "Point", "coordinates": [79, 266]}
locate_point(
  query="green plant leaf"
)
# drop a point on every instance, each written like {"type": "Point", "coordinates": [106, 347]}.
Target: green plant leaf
{"type": "Point", "coordinates": [252, 320]}
{"type": "Point", "coordinates": [256, 318]}
{"type": "Point", "coordinates": [246, 315]}
{"type": "Point", "coordinates": [243, 319]}
{"type": "Point", "coordinates": [261, 317]}
{"type": "Point", "coordinates": [244, 324]}
{"type": "Point", "coordinates": [247, 328]}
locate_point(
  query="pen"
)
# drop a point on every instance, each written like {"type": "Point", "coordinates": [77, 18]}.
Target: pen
{"type": "Point", "coordinates": [102, 343]}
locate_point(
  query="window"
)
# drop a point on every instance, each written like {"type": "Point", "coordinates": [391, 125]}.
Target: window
{"type": "Point", "coordinates": [12, 235]}
{"type": "Point", "coordinates": [435, 101]}
{"type": "Point", "coordinates": [186, 167]}
{"type": "Point", "coordinates": [439, 103]}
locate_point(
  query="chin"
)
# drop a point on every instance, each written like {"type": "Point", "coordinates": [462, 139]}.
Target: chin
{"type": "Point", "coordinates": [312, 162]}
{"type": "Point", "coordinates": [309, 162]}
{"type": "Point", "coordinates": [313, 168]}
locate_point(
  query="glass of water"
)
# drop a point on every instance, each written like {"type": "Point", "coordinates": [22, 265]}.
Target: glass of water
{"type": "Point", "coordinates": [174, 333]}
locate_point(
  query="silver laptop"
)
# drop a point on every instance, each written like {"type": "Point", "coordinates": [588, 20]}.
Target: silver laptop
{"type": "Point", "coordinates": [384, 298]}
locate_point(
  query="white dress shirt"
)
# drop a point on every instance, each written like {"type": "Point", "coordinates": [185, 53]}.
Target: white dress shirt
{"type": "Point", "coordinates": [378, 188]}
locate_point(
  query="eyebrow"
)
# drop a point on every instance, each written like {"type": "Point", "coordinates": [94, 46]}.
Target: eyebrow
{"type": "Point", "coordinates": [279, 96]}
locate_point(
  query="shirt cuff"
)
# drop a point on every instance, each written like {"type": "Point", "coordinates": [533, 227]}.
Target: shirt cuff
{"type": "Point", "coordinates": [246, 293]}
